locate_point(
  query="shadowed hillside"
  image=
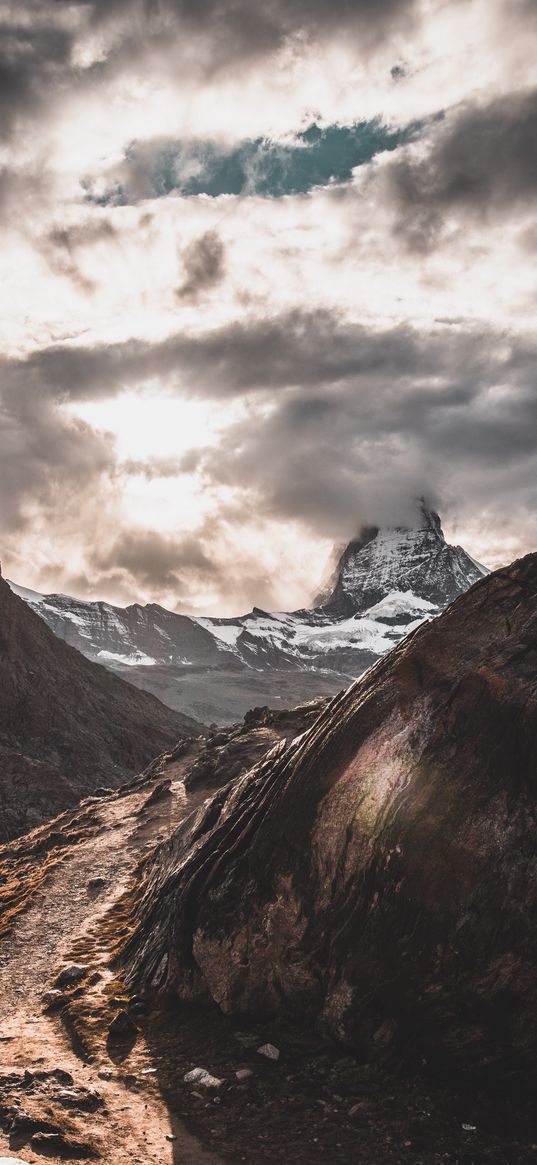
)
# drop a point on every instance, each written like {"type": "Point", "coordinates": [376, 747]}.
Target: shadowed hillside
{"type": "Point", "coordinates": [66, 725]}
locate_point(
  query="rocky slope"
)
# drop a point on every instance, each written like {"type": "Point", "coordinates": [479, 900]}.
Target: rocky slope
{"type": "Point", "coordinates": [181, 1085]}
{"type": "Point", "coordinates": [66, 724]}
{"type": "Point", "coordinates": [377, 877]}
{"type": "Point", "coordinates": [387, 583]}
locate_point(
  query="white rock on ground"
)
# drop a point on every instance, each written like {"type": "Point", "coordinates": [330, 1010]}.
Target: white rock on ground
{"type": "Point", "coordinates": [12, 1161]}
{"type": "Point", "coordinates": [203, 1078]}
{"type": "Point", "coordinates": [269, 1051]}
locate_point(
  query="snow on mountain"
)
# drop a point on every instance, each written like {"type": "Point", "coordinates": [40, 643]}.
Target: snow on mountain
{"type": "Point", "coordinates": [414, 559]}
{"type": "Point", "coordinates": [388, 581]}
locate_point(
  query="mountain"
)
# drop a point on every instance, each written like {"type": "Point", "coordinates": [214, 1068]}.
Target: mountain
{"type": "Point", "coordinates": [415, 561]}
{"type": "Point", "coordinates": [66, 724]}
{"type": "Point", "coordinates": [376, 877]}
{"type": "Point", "coordinates": [388, 581]}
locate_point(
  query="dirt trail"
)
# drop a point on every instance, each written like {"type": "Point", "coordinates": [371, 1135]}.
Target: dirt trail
{"type": "Point", "coordinates": [133, 1123]}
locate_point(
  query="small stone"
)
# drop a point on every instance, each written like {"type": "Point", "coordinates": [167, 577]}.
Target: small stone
{"type": "Point", "coordinates": [122, 1026]}
{"type": "Point", "coordinates": [470, 1128]}
{"type": "Point", "coordinates": [72, 974]}
{"type": "Point", "coordinates": [171, 1137]}
{"type": "Point", "coordinates": [270, 1051]}
{"type": "Point", "coordinates": [96, 883]}
{"type": "Point", "coordinates": [82, 1098]}
{"type": "Point", "coordinates": [203, 1078]}
{"type": "Point", "coordinates": [53, 999]}
{"type": "Point", "coordinates": [105, 1074]}
{"type": "Point", "coordinates": [363, 1106]}
{"type": "Point", "coordinates": [244, 1073]}
{"type": "Point", "coordinates": [58, 1074]}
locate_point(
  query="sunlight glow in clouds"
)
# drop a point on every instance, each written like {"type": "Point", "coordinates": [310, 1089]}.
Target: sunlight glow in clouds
{"type": "Point", "coordinates": [150, 424]}
{"type": "Point", "coordinates": [200, 396]}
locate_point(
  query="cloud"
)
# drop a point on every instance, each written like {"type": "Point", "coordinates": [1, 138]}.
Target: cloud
{"type": "Point", "coordinates": [155, 560]}
{"type": "Point", "coordinates": [59, 51]}
{"type": "Point", "coordinates": [34, 57]}
{"type": "Point", "coordinates": [203, 262]}
{"type": "Point", "coordinates": [153, 468]}
{"type": "Point", "coordinates": [353, 298]}
{"type": "Point", "coordinates": [295, 348]}
{"type": "Point", "coordinates": [232, 30]}
{"type": "Point", "coordinates": [343, 421]}
{"type": "Point", "coordinates": [481, 162]}
{"type": "Point", "coordinates": [64, 246]}
{"type": "Point", "coordinates": [50, 463]}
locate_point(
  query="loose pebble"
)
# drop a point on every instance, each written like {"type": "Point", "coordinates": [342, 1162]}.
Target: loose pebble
{"type": "Point", "coordinates": [270, 1051]}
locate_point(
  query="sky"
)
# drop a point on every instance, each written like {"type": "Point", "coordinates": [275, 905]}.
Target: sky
{"type": "Point", "coordinates": [267, 273]}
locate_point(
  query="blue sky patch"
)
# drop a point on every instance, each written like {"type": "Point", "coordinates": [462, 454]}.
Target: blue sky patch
{"type": "Point", "coordinates": [264, 167]}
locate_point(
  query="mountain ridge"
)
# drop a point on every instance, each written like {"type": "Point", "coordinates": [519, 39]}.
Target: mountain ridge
{"type": "Point", "coordinates": [67, 725]}
{"type": "Point", "coordinates": [388, 581]}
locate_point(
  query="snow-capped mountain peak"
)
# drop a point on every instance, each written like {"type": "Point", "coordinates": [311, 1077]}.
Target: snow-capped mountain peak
{"type": "Point", "coordinates": [413, 558]}
{"type": "Point", "coordinates": [388, 581]}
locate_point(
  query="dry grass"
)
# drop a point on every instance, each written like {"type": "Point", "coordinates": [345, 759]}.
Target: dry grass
{"type": "Point", "coordinates": [26, 864]}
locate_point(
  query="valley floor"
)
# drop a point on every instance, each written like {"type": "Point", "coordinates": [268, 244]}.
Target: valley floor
{"type": "Point", "coordinates": [67, 1090]}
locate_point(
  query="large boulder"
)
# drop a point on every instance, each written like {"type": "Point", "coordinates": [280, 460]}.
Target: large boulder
{"type": "Point", "coordinates": [378, 876]}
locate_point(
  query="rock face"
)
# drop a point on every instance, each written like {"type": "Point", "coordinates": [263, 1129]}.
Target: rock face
{"type": "Point", "coordinates": [415, 561]}
{"type": "Point", "coordinates": [66, 725]}
{"type": "Point", "coordinates": [387, 582]}
{"type": "Point", "coordinates": [377, 877]}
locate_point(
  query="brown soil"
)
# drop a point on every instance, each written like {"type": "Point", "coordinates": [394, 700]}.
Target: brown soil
{"type": "Point", "coordinates": [131, 1124]}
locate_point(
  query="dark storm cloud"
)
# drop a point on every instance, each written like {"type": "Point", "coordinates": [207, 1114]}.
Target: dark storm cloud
{"type": "Point", "coordinates": [47, 459]}
{"type": "Point", "coordinates": [360, 452]}
{"type": "Point", "coordinates": [297, 348]}
{"type": "Point", "coordinates": [37, 40]}
{"type": "Point", "coordinates": [305, 350]}
{"type": "Point", "coordinates": [159, 562]}
{"type": "Point", "coordinates": [345, 413]}
{"type": "Point", "coordinates": [155, 560]}
{"type": "Point", "coordinates": [263, 167]}
{"type": "Point", "coordinates": [482, 161]}
{"type": "Point", "coordinates": [238, 29]}
{"type": "Point", "coordinates": [203, 263]}
{"type": "Point", "coordinates": [34, 59]}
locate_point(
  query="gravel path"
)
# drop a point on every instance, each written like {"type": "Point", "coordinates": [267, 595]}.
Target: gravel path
{"type": "Point", "coordinates": [133, 1124]}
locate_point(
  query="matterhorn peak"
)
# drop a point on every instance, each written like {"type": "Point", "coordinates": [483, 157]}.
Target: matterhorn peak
{"type": "Point", "coordinates": [413, 558]}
